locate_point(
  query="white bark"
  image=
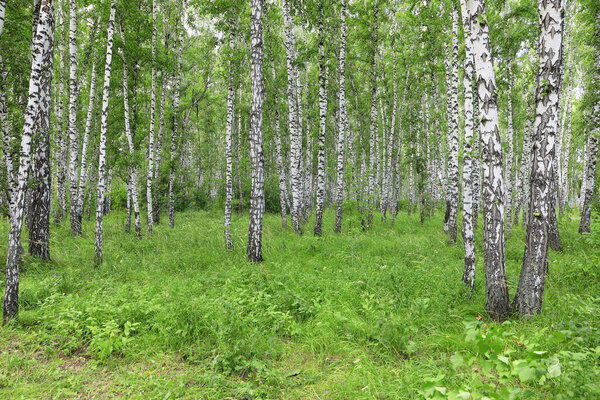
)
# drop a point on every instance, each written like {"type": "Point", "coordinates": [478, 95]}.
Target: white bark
{"type": "Point", "coordinates": [493, 185]}
{"type": "Point", "coordinates": [72, 127]}
{"type": "Point", "coordinates": [453, 191]}
{"type": "Point", "coordinates": [509, 172]}
{"type": "Point", "coordinates": [469, 141]}
{"type": "Point", "coordinates": [103, 132]}
{"type": "Point", "coordinates": [254, 249]}
{"type": "Point", "coordinates": [133, 171]}
{"type": "Point", "coordinates": [150, 176]}
{"type": "Point", "coordinates": [228, 135]}
{"type": "Point", "coordinates": [42, 59]}
{"type": "Point", "coordinates": [528, 299]}
{"type": "Point", "coordinates": [293, 120]}
{"type": "Point", "coordinates": [177, 123]}
{"type": "Point", "coordinates": [322, 130]}
{"type": "Point", "coordinates": [342, 121]}
{"type": "Point", "coordinates": [373, 122]}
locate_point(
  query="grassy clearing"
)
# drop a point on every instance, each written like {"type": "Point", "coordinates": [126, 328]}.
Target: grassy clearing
{"type": "Point", "coordinates": [377, 315]}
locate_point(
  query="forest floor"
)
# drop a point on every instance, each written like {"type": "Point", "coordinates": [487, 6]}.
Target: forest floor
{"type": "Point", "coordinates": [375, 315]}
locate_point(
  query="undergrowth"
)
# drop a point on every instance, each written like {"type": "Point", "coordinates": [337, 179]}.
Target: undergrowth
{"type": "Point", "coordinates": [362, 315]}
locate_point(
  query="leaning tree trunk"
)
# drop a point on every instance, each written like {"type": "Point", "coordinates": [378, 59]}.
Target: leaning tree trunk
{"type": "Point", "coordinates": [342, 122]}
{"type": "Point", "coordinates": [42, 60]}
{"type": "Point", "coordinates": [39, 206]}
{"type": "Point", "coordinates": [468, 184]}
{"type": "Point", "coordinates": [322, 130]}
{"type": "Point", "coordinates": [528, 299]}
{"type": "Point", "coordinates": [72, 127]}
{"type": "Point", "coordinates": [257, 195]}
{"type": "Point", "coordinates": [228, 134]}
{"type": "Point", "coordinates": [132, 181]}
{"type": "Point", "coordinates": [493, 185]}
{"type": "Point", "coordinates": [295, 134]}
{"type": "Point", "coordinates": [103, 132]}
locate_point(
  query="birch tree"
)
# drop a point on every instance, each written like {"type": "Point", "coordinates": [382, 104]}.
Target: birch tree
{"type": "Point", "coordinates": [594, 128]}
{"type": "Point", "coordinates": [42, 60]}
{"type": "Point", "coordinates": [293, 118]}
{"type": "Point", "coordinates": [177, 123]}
{"type": "Point", "coordinates": [72, 126]}
{"type": "Point", "coordinates": [468, 184]}
{"type": "Point", "coordinates": [132, 180]}
{"type": "Point", "coordinates": [39, 205]}
{"type": "Point", "coordinates": [342, 120]}
{"type": "Point", "coordinates": [228, 139]}
{"type": "Point", "coordinates": [493, 185]}
{"type": "Point", "coordinates": [528, 299]}
{"type": "Point", "coordinates": [254, 249]}
{"type": "Point", "coordinates": [322, 128]}
{"type": "Point", "coordinates": [373, 123]}
{"type": "Point", "coordinates": [509, 174]}
{"type": "Point", "coordinates": [453, 137]}
{"type": "Point", "coordinates": [150, 175]}
{"type": "Point", "coordinates": [102, 172]}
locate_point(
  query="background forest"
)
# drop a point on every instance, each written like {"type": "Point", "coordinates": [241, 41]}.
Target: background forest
{"type": "Point", "coordinates": [265, 199]}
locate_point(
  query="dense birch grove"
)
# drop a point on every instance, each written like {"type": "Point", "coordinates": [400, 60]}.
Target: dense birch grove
{"type": "Point", "coordinates": [484, 112]}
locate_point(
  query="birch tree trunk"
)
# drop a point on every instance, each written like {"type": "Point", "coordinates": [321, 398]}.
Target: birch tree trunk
{"type": "Point", "coordinates": [61, 174]}
{"type": "Point", "coordinates": [322, 130]}
{"type": "Point", "coordinates": [39, 206]}
{"type": "Point", "coordinates": [468, 184]}
{"type": "Point", "coordinates": [523, 171]}
{"type": "Point", "coordinates": [150, 176]}
{"type": "Point", "coordinates": [72, 128]}
{"type": "Point", "coordinates": [493, 186]}
{"type": "Point", "coordinates": [592, 141]}
{"type": "Point", "coordinates": [528, 299]}
{"type": "Point", "coordinates": [453, 143]}
{"type": "Point", "coordinates": [2, 14]}
{"type": "Point", "coordinates": [509, 175]}
{"type": "Point", "coordinates": [103, 132]}
{"type": "Point", "coordinates": [566, 145]}
{"type": "Point", "coordinates": [132, 181]}
{"type": "Point", "coordinates": [590, 173]}
{"type": "Point", "coordinates": [42, 61]}
{"type": "Point", "coordinates": [6, 141]}
{"type": "Point", "coordinates": [177, 123]}
{"type": "Point", "coordinates": [295, 134]}
{"type": "Point", "coordinates": [228, 135]}
{"type": "Point", "coordinates": [254, 250]}
{"type": "Point", "coordinates": [373, 124]}
{"type": "Point", "coordinates": [283, 196]}
{"type": "Point", "coordinates": [342, 121]}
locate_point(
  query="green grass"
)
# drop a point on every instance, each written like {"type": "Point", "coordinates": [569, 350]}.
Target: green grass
{"type": "Point", "coordinates": [376, 315]}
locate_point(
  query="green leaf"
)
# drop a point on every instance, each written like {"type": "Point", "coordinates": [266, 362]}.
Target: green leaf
{"type": "Point", "coordinates": [457, 360]}
{"type": "Point", "coordinates": [554, 370]}
{"type": "Point", "coordinates": [526, 374]}
{"type": "Point", "coordinates": [504, 359]}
